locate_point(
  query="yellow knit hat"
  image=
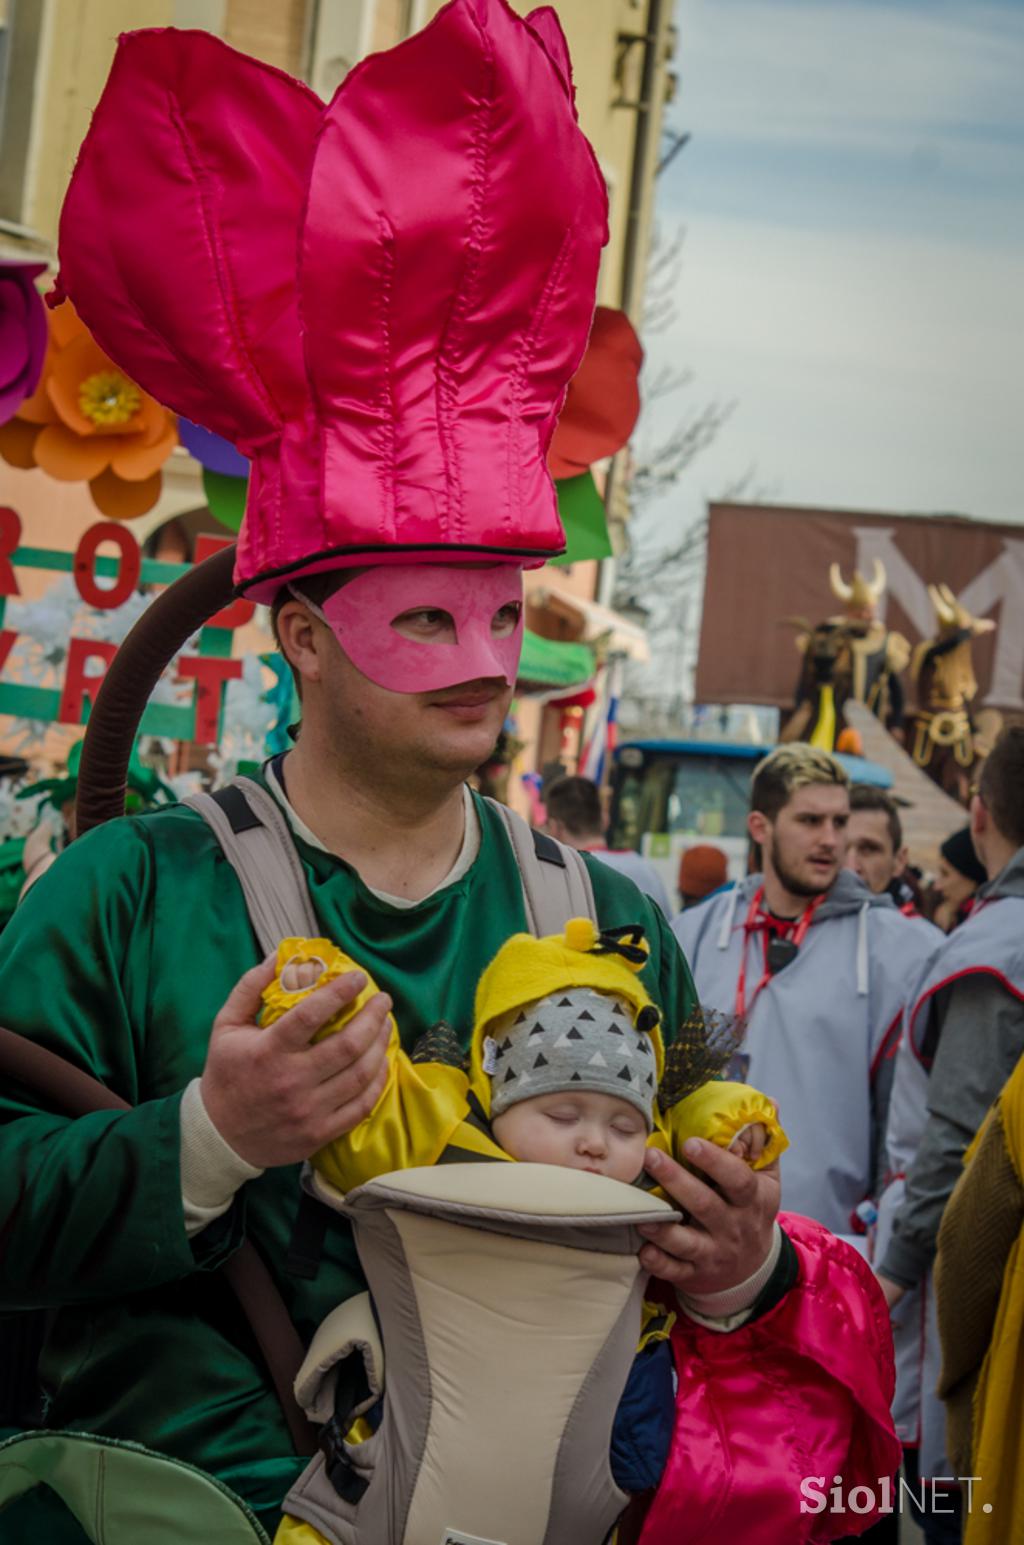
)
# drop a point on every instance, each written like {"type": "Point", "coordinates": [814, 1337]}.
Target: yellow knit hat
{"type": "Point", "coordinates": [527, 969]}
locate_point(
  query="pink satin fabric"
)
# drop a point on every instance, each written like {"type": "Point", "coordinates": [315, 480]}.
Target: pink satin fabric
{"type": "Point", "coordinates": [805, 1391]}
{"type": "Point", "coordinates": [361, 615]}
{"type": "Point", "coordinates": [379, 302]}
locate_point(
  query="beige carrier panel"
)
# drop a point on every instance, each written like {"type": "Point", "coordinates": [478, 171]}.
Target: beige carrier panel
{"type": "Point", "coordinates": [465, 1263]}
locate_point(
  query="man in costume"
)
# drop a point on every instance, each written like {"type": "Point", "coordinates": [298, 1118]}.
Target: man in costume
{"type": "Point", "coordinates": [942, 735]}
{"type": "Point", "coordinates": [817, 967]}
{"type": "Point", "coordinates": [380, 303]}
{"type": "Point", "coordinates": [852, 655]}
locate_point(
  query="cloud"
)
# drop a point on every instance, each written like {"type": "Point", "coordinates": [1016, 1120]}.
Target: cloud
{"type": "Point", "coordinates": [853, 73]}
{"type": "Point", "coordinates": [833, 111]}
{"type": "Point", "coordinates": [854, 205]}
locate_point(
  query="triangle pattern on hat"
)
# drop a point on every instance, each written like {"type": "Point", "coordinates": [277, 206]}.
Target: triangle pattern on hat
{"type": "Point", "coordinates": [575, 1079]}
{"type": "Point", "coordinates": [597, 1061]}
{"type": "Point", "coordinates": [506, 1045]}
{"type": "Point", "coordinates": [509, 1076]}
{"type": "Point", "coordinates": [565, 1003]}
{"type": "Point", "coordinates": [625, 1075]}
{"type": "Point", "coordinates": [614, 1030]}
{"type": "Point", "coordinates": [586, 1014]}
{"type": "Point", "coordinates": [522, 1018]}
{"type": "Point", "coordinates": [541, 1061]}
{"type": "Point", "coordinates": [564, 1040]}
{"type": "Point", "coordinates": [574, 1034]}
{"type": "Point", "coordinates": [538, 1029]}
{"type": "Point", "coordinates": [617, 1008]}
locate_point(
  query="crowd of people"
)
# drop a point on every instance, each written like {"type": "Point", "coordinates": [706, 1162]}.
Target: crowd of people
{"type": "Point", "coordinates": [375, 1169]}
{"type": "Point", "coordinates": [886, 1016]}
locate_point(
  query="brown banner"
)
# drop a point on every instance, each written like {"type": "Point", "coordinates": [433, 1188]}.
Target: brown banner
{"type": "Point", "coordinates": [767, 563]}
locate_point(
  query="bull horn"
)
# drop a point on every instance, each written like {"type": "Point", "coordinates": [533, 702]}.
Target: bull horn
{"type": "Point", "coordinates": [941, 605]}
{"type": "Point", "coordinates": [876, 588]}
{"type": "Point", "coordinates": [840, 589]}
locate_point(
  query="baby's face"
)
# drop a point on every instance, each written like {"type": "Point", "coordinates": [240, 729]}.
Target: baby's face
{"type": "Point", "coordinates": [585, 1130]}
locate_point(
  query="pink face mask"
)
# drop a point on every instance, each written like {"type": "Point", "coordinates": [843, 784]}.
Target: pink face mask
{"type": "Point", "coordinates": [484, 645]}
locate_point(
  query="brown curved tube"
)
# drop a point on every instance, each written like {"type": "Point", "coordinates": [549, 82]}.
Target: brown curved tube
{"type": "Point", "coordinates": [162, 630]}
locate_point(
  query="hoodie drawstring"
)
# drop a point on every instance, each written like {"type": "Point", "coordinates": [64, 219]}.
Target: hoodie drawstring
{"type": "Point", "coordinates": [862, 951]}
{"type": "Point", "coordinates": [728, 918]}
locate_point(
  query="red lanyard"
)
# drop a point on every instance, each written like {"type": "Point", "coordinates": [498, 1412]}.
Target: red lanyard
{"type": "Point", "coordinates": [796, 933]}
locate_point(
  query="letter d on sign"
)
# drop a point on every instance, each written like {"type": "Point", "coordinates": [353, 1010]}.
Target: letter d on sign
{"type": "Point", "coordinates": [812, 1494]}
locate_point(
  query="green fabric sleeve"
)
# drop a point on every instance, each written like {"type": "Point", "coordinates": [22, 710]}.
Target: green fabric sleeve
{"type": "Point", "coordinates": [92, 1206]}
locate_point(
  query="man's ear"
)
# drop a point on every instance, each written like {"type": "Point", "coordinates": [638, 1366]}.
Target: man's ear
{"type": "Point", "coordinates": [979, 816]}
{"type": "Point", "coordinates": [900, 861]}
{"type": "Point", "coordinates": [758, 825]}
{"type": "Point", "coordinates": [299, 637]}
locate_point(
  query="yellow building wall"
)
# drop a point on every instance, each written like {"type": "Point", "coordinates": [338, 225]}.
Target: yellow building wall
{"type": "Point", "coordinates": [76, 50]}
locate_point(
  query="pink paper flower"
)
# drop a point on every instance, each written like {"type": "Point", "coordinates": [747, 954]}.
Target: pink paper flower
{"type": "Point", "coordinates": [22, 334]}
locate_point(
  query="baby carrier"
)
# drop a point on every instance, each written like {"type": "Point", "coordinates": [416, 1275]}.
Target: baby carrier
{"type": "Point", "coordinates": [508, 1296]}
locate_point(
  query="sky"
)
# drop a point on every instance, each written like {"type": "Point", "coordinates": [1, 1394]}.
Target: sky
{"type": "Point", "coordinates": [853, 266]}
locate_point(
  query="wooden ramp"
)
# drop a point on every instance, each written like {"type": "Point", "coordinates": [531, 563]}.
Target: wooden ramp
{"type": "Point", "coordinates": [928, 815]}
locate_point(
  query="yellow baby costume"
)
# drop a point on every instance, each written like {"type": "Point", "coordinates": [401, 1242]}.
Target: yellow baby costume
{"type": "Point", "coordinates": [432, 1111]}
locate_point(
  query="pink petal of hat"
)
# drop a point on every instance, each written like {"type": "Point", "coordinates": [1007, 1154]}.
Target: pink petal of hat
{"type": "Point", "coordinates": [380, 302]}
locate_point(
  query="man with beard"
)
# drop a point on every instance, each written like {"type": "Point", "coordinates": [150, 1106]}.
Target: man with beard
{"type": "Point", "coordinates": [816, 966]}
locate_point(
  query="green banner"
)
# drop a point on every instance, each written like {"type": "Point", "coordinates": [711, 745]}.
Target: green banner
{"type": "Point", "coordinates": [582, 511]}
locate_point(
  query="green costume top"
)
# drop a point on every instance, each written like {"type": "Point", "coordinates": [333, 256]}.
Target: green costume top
{"type": "Point", "coordinates": [120, 959]}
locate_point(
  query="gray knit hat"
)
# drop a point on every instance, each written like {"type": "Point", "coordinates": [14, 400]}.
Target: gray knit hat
{"type": "Point", "coordinates": [578, 1039]}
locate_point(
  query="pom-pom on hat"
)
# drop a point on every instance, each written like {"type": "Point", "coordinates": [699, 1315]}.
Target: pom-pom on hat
{"type": "Point", "coordinates": [379, 302]}
{"type": "Point", "coordinates": [527, 971]}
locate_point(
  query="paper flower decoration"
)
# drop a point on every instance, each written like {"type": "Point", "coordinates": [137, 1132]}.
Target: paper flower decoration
{"type": "Point", "coordinates": [212, 451]}
{"type": "Point", "coordinates": [603, 401]}
{"type": "Point", "coordinates": [225, 472]}
{"type": "Point", "coordinates": [87, 422]}
{"type": "Point", "coordinates": [22, 335]}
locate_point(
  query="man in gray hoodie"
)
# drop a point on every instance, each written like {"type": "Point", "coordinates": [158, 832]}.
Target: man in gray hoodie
{"type": "Point", "coordinates": [966, 1019]}
{"type": "Point", "coordinates": [819, 969]}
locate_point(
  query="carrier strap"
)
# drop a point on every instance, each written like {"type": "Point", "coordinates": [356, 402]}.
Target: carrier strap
{"type": "Point", "coordinates": [253, 832]}
{"type": "Point", "coordinates": [555, 879]}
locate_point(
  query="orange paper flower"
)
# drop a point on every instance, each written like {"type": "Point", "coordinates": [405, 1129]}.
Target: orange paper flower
{"type": "Point", "coordinates": [87, 422]}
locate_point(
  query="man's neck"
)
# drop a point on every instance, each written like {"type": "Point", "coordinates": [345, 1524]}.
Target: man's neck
{"type": "Point", "coordinates": [998, 853]}
{"type": "Point", "coordinates": [781, 902]}
{"type": "Point", "coordinates": [401, 838]}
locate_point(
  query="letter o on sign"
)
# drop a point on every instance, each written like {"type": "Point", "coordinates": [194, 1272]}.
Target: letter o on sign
{"type": "Point", "coordinates": [106, 598]}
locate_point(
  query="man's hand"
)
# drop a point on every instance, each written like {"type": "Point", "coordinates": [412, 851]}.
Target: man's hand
{"type": "Point", "coordinates": [274, 1096]}
{"type": "Point", "coordinates": [728, 1232]}
{"type": "Point", "coordinates": [892, 1290]}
